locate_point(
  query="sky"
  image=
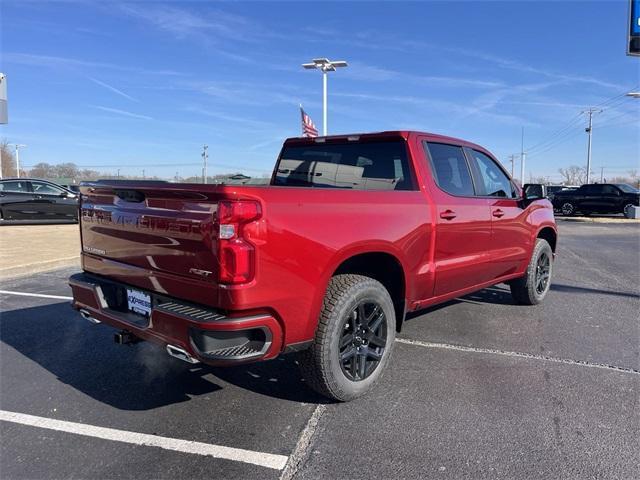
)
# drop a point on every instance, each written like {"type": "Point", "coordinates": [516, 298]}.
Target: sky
{"type": "Point", "coordinates": [144, 85]}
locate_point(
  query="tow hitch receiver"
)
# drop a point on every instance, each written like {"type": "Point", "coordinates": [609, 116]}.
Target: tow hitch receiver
{"type": "Point", "coordinates": [125, 337]}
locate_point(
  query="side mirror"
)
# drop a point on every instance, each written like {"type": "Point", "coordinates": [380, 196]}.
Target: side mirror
{"type": "Point", "coordinates": [534, 191]}
{"type": "Point", "coordinates": [67, 195]}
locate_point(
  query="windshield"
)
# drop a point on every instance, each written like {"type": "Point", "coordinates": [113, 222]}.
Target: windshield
{"type": "Point", "coordinates": [627, 188]}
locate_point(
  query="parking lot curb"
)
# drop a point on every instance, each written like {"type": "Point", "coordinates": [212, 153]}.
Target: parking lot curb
{"type": "Point", "coordinates": [27, 269]}
{"type": "Point", "coordinates": [597, 220]}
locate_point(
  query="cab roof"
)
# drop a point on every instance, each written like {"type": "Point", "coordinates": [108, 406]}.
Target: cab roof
{"type": "Point", "coordinates": [389, 134]}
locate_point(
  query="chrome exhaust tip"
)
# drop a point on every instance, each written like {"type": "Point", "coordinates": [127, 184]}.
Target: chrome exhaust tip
{"type": "Point", "coordinates": [87, 316]}
{"type": "Point", "coordinates": [181, 354]}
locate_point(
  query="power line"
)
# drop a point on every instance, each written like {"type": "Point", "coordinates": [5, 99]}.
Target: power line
{"type": "Point", "coordinates": [563, 133]}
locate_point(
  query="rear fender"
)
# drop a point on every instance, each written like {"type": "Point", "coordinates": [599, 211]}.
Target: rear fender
{"type": "Point", "coordinates": [338, 259]}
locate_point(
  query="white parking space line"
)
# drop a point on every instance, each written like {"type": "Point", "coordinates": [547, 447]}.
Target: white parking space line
{"type": "Point", "coordinates": [39, 295]}
{"type": "Point", "coordinates": [301, 452]}
{"type": "Point", "coordinates": [506, 353]}
{"type": "Point", "coordinates": [268, 460]}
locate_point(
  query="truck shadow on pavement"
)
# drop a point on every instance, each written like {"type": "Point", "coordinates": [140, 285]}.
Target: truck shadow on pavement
{"type": "Point", "coordinates": [139, 377]}
{"type": "Point", "coordinates": [501, 295]}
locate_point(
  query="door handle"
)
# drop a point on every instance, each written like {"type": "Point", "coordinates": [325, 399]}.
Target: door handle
{"type": "Point", "coordinates": [448, 215]}
{"type": "Point", "coordinates": [498, 213]}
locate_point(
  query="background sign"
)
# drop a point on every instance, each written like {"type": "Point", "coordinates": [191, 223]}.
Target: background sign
{"type": "Point", "coordinates": [633, 40]}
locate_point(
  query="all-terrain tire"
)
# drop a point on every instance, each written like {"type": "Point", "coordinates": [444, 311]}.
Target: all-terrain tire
{"type": "Point", "coordinates": [321, 364]}
{"type": "Point", "coordinates": [532, 287]}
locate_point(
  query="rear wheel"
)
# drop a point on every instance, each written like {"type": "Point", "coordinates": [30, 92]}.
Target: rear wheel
{"type": "Point", "coordinates": [354, 338]}
{"type": "Point", "coordinates": [533, 287]}
{"type": "Point", "coordinates": [568, 208]}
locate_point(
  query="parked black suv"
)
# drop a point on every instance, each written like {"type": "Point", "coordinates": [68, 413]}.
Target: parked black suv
{"type": "Point", "coordinates": [32, 200]}
{"type": "Point", "coordinates": [597, 198]}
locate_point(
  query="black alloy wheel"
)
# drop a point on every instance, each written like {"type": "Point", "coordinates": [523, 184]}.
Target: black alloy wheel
{"type": "Point", "coordinates": [543, 273]}
{"type": "Point", "coordinates": [363, 340]}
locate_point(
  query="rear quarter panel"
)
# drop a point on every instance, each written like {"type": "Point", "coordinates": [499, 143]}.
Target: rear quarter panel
{"type": "Point", "coordinates": [306, 233]}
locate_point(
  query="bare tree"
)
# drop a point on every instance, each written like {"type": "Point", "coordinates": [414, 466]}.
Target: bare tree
{"type": "Point", "coordinates": [574, 175]}
{"type": "Point", "coordinates": [8, 160]}
{"type": "Point", "coordinates": [541, 180]}
{"type": "Point", "coordinates": [42, 170]}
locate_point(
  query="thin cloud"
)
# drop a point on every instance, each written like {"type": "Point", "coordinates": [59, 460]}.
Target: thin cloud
{"type": "Point", "coordinates": [181, 23]}
{"type": "Point", "coordinates": [363, 72]}
{"type": "Point", "coordinates": [113, 89]}
{"type": "Point", "coordinates": [49, 61]}
{"type": "Point", "coordinates": [124, 113]}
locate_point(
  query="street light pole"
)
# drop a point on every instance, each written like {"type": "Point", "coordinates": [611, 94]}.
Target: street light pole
{"type": "Point", "coordinates": [324, 103]}
{"type": "Point", "coordinates": [325, 66]}
{"type": "Point", "coordinates": [18, 146]}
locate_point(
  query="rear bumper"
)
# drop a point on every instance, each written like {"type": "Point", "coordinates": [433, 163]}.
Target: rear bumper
{"type": "Point", "coordinates": [205, 334]}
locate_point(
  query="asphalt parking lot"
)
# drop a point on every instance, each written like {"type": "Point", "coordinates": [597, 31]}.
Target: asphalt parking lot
{"type": "Point", "coordinates": [477, 388]}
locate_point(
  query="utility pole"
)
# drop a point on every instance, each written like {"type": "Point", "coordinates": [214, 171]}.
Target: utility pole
{"type": "Point", "coordinates": [589, 129]}
{"type": "Point", "coordinates": [601, 174]}
{"type": "Point", "coordinates": [205, 157]}
{"type": "Point", "coordinates": [143, 173]}
{"type": "Point", "coordinates": [512, 159]}
{"type": "Point", "coordinates": [522, 158]}
{"type": "Point", "coordinates": [118, 174]}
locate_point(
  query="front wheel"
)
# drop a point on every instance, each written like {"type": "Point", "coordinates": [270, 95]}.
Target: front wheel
{"type": "Point", "coordinates": [354, 338]}
{"type": "Point", "coordinates": [533, 287]}
{"type": "Point", "coordinates": [627, 210]}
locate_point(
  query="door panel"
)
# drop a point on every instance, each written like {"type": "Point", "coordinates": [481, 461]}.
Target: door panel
{"type": "Point", "coordinates": [463, 223]}
{"type": "Point", "coordinates": [50, 204]}
{"type": "Point", "coordinates": [510, 238]}
{"type": "Point", "coordinates": [16, 200]}
{"type": "Point", "coordinates": [462, 244]}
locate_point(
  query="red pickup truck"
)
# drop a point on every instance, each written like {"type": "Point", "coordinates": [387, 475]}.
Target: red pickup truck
{"type": "Point", "coordinates": [352, 233]}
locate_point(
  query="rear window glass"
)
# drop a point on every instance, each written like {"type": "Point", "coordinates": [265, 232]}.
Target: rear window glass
{"type": "Point", "coordinates": [450, 169]}
{"type": "Point", "coordinates": [356, 166]}
{"type": "Point", "coordinates": [17, 187]}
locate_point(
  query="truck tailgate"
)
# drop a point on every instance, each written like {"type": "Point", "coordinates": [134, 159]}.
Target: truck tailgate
{"type": "Point", "coordinates": [156, 226]}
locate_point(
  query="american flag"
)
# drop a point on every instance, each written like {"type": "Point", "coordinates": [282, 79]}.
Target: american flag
{"type": "Point", "coordinates": [308, 128]}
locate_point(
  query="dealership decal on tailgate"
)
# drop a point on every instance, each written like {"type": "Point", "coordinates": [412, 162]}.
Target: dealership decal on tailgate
{"type": "Point", "coordinates": [139, 302]}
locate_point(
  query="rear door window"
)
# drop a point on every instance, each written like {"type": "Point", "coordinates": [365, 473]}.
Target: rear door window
{"type": "Point", "coordinates": [593, 190]}
{"type": "Point", "coordinates": [356, 166]}
{"type": "Point", "coordinates": [16, 186]}
{"type": "Point", "coordinates": [450, 168]}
